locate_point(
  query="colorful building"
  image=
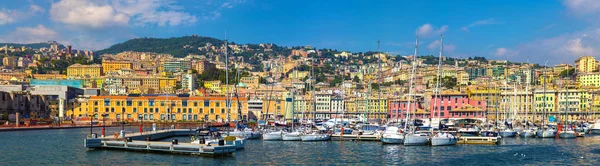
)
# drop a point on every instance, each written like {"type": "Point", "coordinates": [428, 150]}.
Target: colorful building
{"type": "Point", "coordinates": [159, 108]}
{"type": "Point", "coordinates": [79, 70]}
{"type": "Point", "coordinates": [454, 104]}
{"type": "Point", "coordinates": [114, 66]}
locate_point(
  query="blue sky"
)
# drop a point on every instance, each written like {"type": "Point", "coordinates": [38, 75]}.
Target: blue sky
{"type": "Point", "coordinates": [555, 30]}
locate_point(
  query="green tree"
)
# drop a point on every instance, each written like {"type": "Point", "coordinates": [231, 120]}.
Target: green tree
{"type": "Point", "coordinates": [567, 73]}
{"type": "Point", "coordinates": [356, 79]}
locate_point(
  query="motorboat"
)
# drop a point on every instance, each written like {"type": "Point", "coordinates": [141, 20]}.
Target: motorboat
{"type": "Point", "coordinates": [291, 136]}
{"type": "Point", "coordinates": [443, 139]}
{"type": "Point", "coordinates": [526, 133]}
{"type": "Point", "coordinates": [546, 132]}
{"type": "Point", "coordinates": [567, 134]}
{"type": "Point", "coordinates": [314, 136]}
{"type": "Point", "coordinates": [507, 133]}
{"type": "Point", "coordinates": [392, 135]}
{"type": "Point", "coordinates": [246, 133]}
{"type": "Point", "coordinates": [595, 128]}
{"type": "Point", "coordinates": [468, 131]}
{"type": "Point", "coordinates": [273, 136]}
{"type": "Point", "coordinates": [416, 139]}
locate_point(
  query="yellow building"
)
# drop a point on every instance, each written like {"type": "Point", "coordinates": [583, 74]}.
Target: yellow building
{"type": "Point", "coordinates": [589, 79]}
{"type": "Point", "coordinates": [110, 66]}
{"type": "Point", "coordinates": [79, 70]}
{"type": "Point", "coordinates": [49, 76]}
{"type": "Point", "coordinates": [213, 85]}
{"type": "Point", "coordinates": [250, 81]}
{"type": "Point", "coordinates": [544, 103]}
{"type": "Point", "coordinates": [159, 108]}
{"type": "Point", "coordinates": [561, 67]}
{"type": "Point", "coordinates": [10, 62]}
{"type": "Point", "coordinates": [167, 83]}
{"type": "Point", "coordinates": [585, 64]}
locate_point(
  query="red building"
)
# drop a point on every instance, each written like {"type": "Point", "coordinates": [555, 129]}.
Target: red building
{"type": "Point", "coordinates": [454, 104]}
{"type": "Point", "coordinates": [397, 109]}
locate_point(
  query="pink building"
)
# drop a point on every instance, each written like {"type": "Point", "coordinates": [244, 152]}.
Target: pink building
{"type": "Point", "coordinates": [397, 109]}
{"type": "Point", "coordinates": [453, 104]}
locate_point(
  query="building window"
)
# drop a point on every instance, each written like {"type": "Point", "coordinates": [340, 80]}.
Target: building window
{"type": "Point", "coordinates": [185, 103]}
{"type": "Point", "coordinates": [134, 109]}
{"type": "Point", "coordinates": [139, 103]}
{"type": "Point", "coordinates": [222, 110]}
{"type": "Point", "coordinates": [184, 117]}
{"type": "Point", "coordinates": [206, 103]}
{"type": "Point", "coordinates": [178, 110]}
{"type": "Point", "coordinates": [112, 109]}
{"type": "Point", "coordinates": [195, 105]}
{"type": "Point", "coordinates": [195, 117]}
{"type": "Point", "coordinates": [212, 111]}
{"type": "Point", "coordinates": [150, 103]}
{"type": "Point", "coordinates": [105, 109]}
{"type": "Point", "coordinates": [128, 116]}
{"type": "Point", "coordinates": [152, 110]}
{"type": "Point", "coordinates": [129, 103]}
{"type": "Point", "coordinates": [184, 110]}
{"type": "Point", "coordinates": [162, 116]}
{"type": "Point", "coordinates": [218, 104]}
{"type": "Point", "coordinates": [173, 116]}
{"type": "Point", "coordinates": [118, 103]}
{"type": "Point", "coordinates": [145, 110]}
{"type": "Point", "coordinates": [95, 109]}
{"type": "Point", "coordinates": [205, 117]}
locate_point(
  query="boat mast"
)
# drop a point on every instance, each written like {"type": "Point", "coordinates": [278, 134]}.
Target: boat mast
{"type": "Point", "coordinates": [566, 99]}
{"type": "Point", "coordinates": [437, 83]}
{"type": "Point", "coordinates": [379, 82]}
{"type": "Point", "coordinates": [527, 93]}
{"type": "Point", "coordinates": [410, 82]}
{"type": "Point", "coordinates": [544, 98]}
{"type": "Point", "coordinates": [227, 103]}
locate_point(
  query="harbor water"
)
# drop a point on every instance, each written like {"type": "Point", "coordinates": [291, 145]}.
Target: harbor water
{"type": "Point", "coordinates": [65, 147]}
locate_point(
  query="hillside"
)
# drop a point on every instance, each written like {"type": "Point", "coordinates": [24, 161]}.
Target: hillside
{"type": "Point", "coordinates": [174, 46]}
{"type": "Point", "coordinates": [31, 45]}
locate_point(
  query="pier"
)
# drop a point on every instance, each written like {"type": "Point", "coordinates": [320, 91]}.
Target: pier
{"type": "Point", "coordinates": [145, 141]}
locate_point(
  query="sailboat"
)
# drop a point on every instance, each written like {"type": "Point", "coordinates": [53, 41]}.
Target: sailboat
{"type": "Point", "coordinates": [441, 138]}
{"type": "Point", "coordinates": [411, 137]}
{"type": "Point", "coordinates": [268, 134]}
{"type": "Point", "coordinates": [528, 131]}
{"type": "Point", "coordinates": [545, 131]}
{"type": "Point", "coordinates": [314, 135]}
{"type": "Point", "coordinates": [565, 131]}
{"type": "Point", "coordinates": [292, 135]}
{"type": "Point", "coordinates": [508, 130]}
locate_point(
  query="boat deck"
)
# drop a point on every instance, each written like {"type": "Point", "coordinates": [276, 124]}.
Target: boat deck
{"type": "Point", "coordinates": [145, 142]}
{"type": "Point", "coordinates": [354, 137]}
{"type": "Point", "coordinates": [477, 140]}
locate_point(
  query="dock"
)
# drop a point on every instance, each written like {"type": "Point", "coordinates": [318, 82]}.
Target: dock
{"type": "Point", "coordinates": [355, 137]}
{"type": "Point", "coordinates": [146, 142]}
{"type": "Point", "coordinates": [478, 140]}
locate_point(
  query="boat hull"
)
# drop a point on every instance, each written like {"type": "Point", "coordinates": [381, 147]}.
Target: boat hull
{"type": "Point", "coordinates": [273, 136]}
{"type": "Point", "coordinates": [291, 137]}
{"type": "Point", "coordinates": [315, 137]}
{"type": "Point", "coordinates": [527, 134]}
{"type": "Point", "coordinates": [392, 139]}
{"type": "Point", "coordinates": [468, 133]}
{"type": "Point", "coordinates": [595, 131]}
{"type": "Point", "coordinates": [545, 134]}
{"type": "Point", "coordinates": [566, 135]}
{"type": "Point", "coordinates": [415, 140]}
{"type": "Point", "coordinates": [443, 141]}
{"type": "Point", "coordinates": [508, 133]}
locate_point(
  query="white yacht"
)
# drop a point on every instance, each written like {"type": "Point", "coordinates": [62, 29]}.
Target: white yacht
{"type": "Point", "coordinates": [291, 136]}
{"type": "Point", "coordinates": [416, 139]}
{"type": "Point", "coordinates": [392, 135]}
{"type": "Point", "coordinates": [273, 136]}
{"type": "Point", "coordinates": [443, 139]}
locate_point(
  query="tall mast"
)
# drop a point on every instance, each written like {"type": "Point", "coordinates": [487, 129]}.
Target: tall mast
{"type": "Point", "coordinates": [437, 82]}
{"type": "Point", "coordinates": [527, 93]}
{"type": "Point", "coordinates": [410, 82]}
{"type": "Point", "coordinates": [566, 98]}
{"type": "Point", "coordinates": [227, 102]}
{"type": "Point", "coordinates": [379, 80]}
{"type": "Point", "coordinates": [544, 98]}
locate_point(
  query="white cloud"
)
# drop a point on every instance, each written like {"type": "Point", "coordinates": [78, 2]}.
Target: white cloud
{"type": "Point", "coordinates": [34, 34]}
{"type": "Point", "coordinates": [101, 14]}
{"type": "Point", "coordinates": [36, 9]}
{"type": "Point", "coordinates": [8, 16]}
{"type": "Point", "coordinates": [501, 51]}
{"type": "Point", "coordinates": [583, 7]}
{"type": "Point", "coordinates": [489, 21]}
{"type": "Point", "coordinates": [435, 45]}
{"type": "Point", "coordinates": [427, 30]}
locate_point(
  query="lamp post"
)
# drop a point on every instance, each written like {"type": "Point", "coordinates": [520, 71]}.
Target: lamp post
{"type": "Point", "coordinates": [122, 120]}
{"type": "Point", "coordinates": [91, 122]}
{"type": "Point", "coordinates": [141, 124]}
{"type": "Point", "coordinates": [104, 123]}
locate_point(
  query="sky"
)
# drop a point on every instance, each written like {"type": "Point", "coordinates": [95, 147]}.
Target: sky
{"type": "Point", "coordinates": [557, 31]}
